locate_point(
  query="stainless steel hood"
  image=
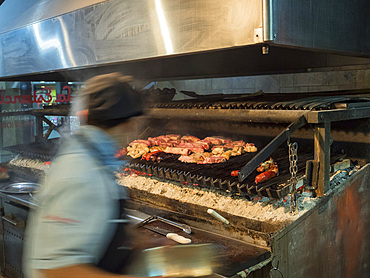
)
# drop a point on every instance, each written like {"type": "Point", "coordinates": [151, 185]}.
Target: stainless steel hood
{"type": "Point", "coordinates": [164, 39]}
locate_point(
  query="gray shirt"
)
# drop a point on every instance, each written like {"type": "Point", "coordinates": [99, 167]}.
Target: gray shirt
{"type": "Point", "coordinates": [71, 225]}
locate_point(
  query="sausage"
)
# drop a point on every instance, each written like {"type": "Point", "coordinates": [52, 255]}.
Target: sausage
{"type": "Point", "coordinates": [234, 173]}
{"type": "Point", "coordinates": [264, 176]}
{"type": "Point", "coordinates": [147, 156]}
{"type": "Point", "coordinates": [154, 156]}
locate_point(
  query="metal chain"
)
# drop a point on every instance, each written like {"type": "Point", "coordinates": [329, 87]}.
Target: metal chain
{"type": "Point", "coordinates": [293, 169]}
{"type": "Point", "coordinates": [274, 268]}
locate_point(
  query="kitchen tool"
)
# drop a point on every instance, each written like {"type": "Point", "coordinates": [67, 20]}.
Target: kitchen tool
{"type": "Point", "coordinates": [139, 218]}
{"type": "Point", "coordinates": [168, 234]}
{"type": "Point", "coordinates": [183, 227]}
{"type": "Point", "coordinates": [218, 216]}
{"type": "Point", "coordinates": [20, 187]}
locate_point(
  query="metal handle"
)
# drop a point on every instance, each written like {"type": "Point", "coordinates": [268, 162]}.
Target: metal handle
{"type": "Point", "coordinates": [14, 222]}
{"type": "Point", "coordinates": [183, 227]}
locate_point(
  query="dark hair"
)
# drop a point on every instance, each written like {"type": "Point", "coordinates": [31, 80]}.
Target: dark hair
{"type": "Point", "coordinates": [111, 100]}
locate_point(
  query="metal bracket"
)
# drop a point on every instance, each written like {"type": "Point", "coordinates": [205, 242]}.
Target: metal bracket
{"type": "Point", "coordinates": [270, 148]}
{"type": "Point", "coordinates": [312, 169]}
{"type": "Point", "coordinates": [258, 35]}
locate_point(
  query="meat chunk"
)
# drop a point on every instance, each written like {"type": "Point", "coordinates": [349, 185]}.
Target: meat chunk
{"type": "Point", "coordinates": [173, 136]}
{"type": "Point", "coordinates": [150, 156]}
{"type": "Point", "coordinates": [234, 144]}
{"type": "Point", "coordinates": [157, 148]}
{"type": "Point", "coordinates": [250, 148]}
{"type": "Point", "coordinates": [141, 142]}
{"type": "Point", "coordinates": [193, 147]}
{"type": "Point", "coordinates": [188, 159]}
{"type": "Point", "coordinates": [217, 140]}
{"type": "Point", "coordinates": [218, 150]}
{"type": "Point", "coordinates": [137, 150]}
{"type": "Point", "coordinates": [159, 140]}
{"type": "Point", "coordinates": [213, 159]}
{"type": "Point", "coordinates": [204, 145]}
{"type": "Point", "coordinates": [265, 165]}
{"type": "Point", "coordinates": [190, 139]}
{"type": "Point", "coordinates": [194, 157]}
{"type": "Point", "coordinates": [176, 150]}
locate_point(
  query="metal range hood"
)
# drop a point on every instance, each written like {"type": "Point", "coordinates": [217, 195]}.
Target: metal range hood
{"type": "Point", "coordinates": [165, 39]}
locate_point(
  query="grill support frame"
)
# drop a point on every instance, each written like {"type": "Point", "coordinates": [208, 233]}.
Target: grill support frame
{"type": "Point", "coordinates": [320, 121]}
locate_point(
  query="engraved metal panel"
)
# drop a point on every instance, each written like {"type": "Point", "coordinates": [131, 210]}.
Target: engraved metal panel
{"type": "Point", "coordinates": [15, 14]}
{"type": "Point", "coordinates": [118, 31]}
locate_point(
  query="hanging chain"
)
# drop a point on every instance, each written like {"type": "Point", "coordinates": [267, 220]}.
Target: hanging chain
{"type": "Point", "coordinates": [293, 169]}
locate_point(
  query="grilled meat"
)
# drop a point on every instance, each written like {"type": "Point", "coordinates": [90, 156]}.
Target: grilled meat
{"type": "Point", "coordinates": [212, 160]}
{"type": "Point", "coordinates": [265, 165]}
{"type": "Point", "coordinates": [269, 170]}
{"type": "Point", "coordinates": [264, 176]}
{"type": "Point", "coordinates": [141, 142]}
{"type": "Point", "coordinates": [217, 140]}
{"type": "Point", "coordinates": [194, 157]}
{"type": "Point", "coordinates": [190, 139]}
{"type": "Point", "coordinates": [150, 156]}
{"type": "Point", "coordinates": [137, 150]}
{"type": "Point", "coordinates": [176, 150]}
{"type": "Point", "coordinates": [173, 136]}
{"type": "Point", "coordinates": [193, 147]}
{"type": "Point", "coordinates": [250, 148]}
{"type": "Point", "coordinates": [186, 145]}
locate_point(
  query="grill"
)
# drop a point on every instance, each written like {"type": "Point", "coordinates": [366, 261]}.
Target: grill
{"type": "Point", "coordinates": [227, 108]}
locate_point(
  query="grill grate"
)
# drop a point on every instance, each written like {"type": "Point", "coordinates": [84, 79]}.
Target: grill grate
{"type": "Point", "coordinates": [44, 150]}
{"type": "Point", "coordinates": [218, 176]}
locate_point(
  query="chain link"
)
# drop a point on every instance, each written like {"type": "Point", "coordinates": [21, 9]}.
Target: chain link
{"type": "Point", "coordinates": [293, 169]}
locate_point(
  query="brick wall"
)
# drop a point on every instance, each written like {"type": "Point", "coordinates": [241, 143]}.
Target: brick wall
{"type": "Point", "coordinates": [316, 81]}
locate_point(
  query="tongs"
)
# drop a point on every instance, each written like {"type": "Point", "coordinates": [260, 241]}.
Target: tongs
{"type": "Point", "coordinates": [183, 227]}
{"type": "Point", "coordinates": [170, 235]}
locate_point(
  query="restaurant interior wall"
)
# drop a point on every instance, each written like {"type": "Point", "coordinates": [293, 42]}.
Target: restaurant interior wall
{"type": "Point", "coordinates": [319, 80]}
{"type": "Point", "coordinates": [18, 127]}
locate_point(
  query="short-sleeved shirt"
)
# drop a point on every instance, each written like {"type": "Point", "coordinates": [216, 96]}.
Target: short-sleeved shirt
{"type": "Point", "coordinates": [76, 203]}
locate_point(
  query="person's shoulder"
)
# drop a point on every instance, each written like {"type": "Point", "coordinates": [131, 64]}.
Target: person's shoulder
{"type": "Point", "coordinates": [75, 166]}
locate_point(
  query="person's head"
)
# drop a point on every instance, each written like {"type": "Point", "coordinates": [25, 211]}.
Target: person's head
{"type": "Point", "coordinates": [110, 100]}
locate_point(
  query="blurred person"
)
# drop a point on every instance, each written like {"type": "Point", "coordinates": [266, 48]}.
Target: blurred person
{"type": "Point", "coordinates": [71, 232]}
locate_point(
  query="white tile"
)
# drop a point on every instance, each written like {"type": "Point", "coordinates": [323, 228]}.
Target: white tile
{"type": "Point", "coordinates": [308, 79]}
{"type": "Point", "coordinates": [243, 82]}
{"type": "Point", "coordinates": [221, 83]}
